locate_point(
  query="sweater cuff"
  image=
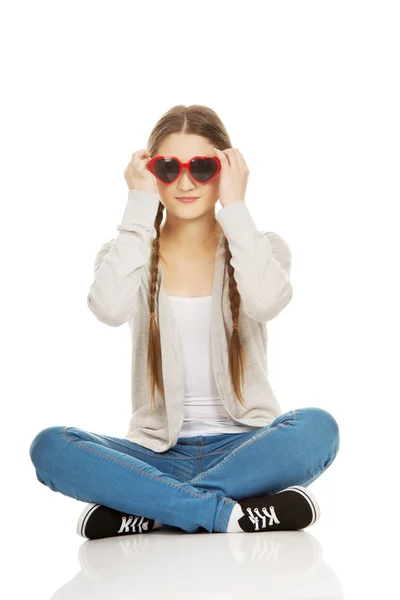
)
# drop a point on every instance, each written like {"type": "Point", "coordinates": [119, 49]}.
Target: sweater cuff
{"type": "Point", "coordinates": [234, 218]}
{"type": "Point", "coordinates": [141, 207]}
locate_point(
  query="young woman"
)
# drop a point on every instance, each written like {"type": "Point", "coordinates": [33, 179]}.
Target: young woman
{"type": "Point", "coordinates": [207, 448]}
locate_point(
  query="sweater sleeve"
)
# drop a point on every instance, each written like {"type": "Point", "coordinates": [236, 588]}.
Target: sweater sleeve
{"type": "Point", "coordinates": [262, 262]}
{"type": "Point", "coordinates": [119, 263]}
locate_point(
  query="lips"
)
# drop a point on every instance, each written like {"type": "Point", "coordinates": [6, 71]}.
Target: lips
{"type": "Point", "coordinates": [187, 199]}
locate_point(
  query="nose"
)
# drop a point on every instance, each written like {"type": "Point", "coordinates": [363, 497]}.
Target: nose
{"type": "Point", "coordinates": [184, 180]}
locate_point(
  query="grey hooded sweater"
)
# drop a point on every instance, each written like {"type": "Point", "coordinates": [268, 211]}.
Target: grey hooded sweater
{"type": "Point", "coordinates": [120, 291]}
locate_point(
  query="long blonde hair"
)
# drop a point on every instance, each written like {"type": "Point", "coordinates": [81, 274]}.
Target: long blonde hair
{"type": "Point", "coordinates": [199, 120]}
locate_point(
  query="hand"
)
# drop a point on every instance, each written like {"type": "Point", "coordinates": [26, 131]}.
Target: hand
{"type": "Point", "coordinates": [137, 175]}
{"type": "Point", "coordinates": [233, 176]}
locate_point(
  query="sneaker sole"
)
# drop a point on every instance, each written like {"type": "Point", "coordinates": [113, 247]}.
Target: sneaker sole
{"type": "Point", "coordinates": [311, 499]}
{"type": "Point", "coordinates": [87, 511]}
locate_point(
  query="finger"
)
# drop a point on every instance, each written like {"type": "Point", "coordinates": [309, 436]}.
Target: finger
{"type": "Point", "coordinates": [222, 157]}
{"type": "Point", "coordinates": [139, 153]}
{"type": "Point", "coordinates": [139, 157]}
{"type": "Point", "coordinates": [240, 159]}
{"type": "Point", "coordinates": [233, 157]}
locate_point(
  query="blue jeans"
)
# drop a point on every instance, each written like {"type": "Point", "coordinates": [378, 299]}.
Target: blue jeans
{"type": "Point", "coordinates": [192, 486]}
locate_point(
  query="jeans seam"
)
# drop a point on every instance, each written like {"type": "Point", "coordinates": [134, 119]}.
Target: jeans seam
{"type": "Point", "coordinates": [174, 485]}
{"type": "Point", "coordinates": [222, 512]}
{"type": "Point", "coordinates": [160, 456]}
{"type": "Point", "coordinates": [243, 446]}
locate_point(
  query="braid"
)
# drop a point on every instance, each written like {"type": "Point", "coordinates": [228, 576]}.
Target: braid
{"type": "Point", "coordinates": [237, 355]}
{"type": "Point", "coordinates": [154, 359]}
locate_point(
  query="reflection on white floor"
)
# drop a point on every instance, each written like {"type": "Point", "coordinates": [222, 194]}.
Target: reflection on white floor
{"type": "Point", "coordinates": [203, 566]}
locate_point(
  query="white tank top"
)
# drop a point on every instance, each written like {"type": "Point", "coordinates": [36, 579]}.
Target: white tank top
{"type": "Point", "coordinates": [204, 413]}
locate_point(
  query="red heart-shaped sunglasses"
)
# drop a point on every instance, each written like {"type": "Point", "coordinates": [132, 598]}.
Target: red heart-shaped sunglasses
{"type": "Point", "coordinates": [168, 168]}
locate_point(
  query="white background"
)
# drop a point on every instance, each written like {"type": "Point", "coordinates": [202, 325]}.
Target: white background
{"type": "Point", "coordinates": [309, 93]}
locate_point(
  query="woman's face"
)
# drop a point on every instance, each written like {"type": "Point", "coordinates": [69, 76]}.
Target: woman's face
{"type": "Point", "coordinates": [184, 146]}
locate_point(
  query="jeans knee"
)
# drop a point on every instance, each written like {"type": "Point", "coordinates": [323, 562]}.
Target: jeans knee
{"type": "Point", "coordinates": [331, 427]}
{"type": "Point", "coordinates": [325, 427]}
{"type": "Point", "coordinates": [43, 448]}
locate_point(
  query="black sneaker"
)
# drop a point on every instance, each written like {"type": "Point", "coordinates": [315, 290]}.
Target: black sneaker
{"type": "Point", "coordinates": [295, 507]}
{"type": "Point", "coordinates": [98, 521]}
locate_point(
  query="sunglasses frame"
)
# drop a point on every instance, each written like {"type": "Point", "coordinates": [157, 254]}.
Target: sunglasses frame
{"type": "Point", "coordinates": [182, 166]}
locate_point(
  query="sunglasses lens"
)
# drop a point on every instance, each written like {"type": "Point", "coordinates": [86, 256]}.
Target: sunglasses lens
{"type": "Point", "coordinates": [203, 169]}
{"type": "Point", "coordinates": [166, 169]}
